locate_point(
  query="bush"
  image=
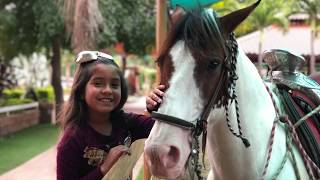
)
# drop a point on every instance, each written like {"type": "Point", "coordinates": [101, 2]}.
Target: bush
{"type": "Point", "coordinates": [23, 96]}
{"type": "Point", "coordinates": [14, 97]}
{"type": "Point", "coordinates": [16, 101]}
{"type": "Point", "coordinates": [45, 94]}
{"type": "Point", "coordinates": [13, 93]}
{"type": "Point", "coordinates": [147, 77]}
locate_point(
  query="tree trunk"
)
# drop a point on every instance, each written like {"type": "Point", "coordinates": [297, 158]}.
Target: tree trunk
{"type": "Point", "coordinates": [124, 62]}
{"type": "Point", "coordinates": [56, 73]}
{"type": "Point", "coordinates": [260, 68]}
{"type": "Point", "coordinates": [312, 63]}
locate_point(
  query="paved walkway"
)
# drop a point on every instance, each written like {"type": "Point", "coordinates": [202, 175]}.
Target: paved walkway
{"type": "Point", "coordinates": [43, 166]}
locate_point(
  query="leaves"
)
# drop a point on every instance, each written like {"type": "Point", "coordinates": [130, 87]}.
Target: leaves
{"type": "Point", "coordinates": [48, 21]}
{"type": "Point", "coordinates": [130, 22]}
{"type": "Point", "coordinates": [18, 27]}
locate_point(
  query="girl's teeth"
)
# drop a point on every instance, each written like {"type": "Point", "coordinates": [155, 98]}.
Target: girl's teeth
{"type": "Point", "coordinates": [106, 100]}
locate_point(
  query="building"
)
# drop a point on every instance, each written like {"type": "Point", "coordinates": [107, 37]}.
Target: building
{"type": "Point", "coordinates": [297, 38]}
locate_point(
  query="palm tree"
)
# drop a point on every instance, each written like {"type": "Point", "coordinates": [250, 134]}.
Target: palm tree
{"type": "Point", "coordinates": [83, 20]}
{"type": "Point", "coordinates": [312, 8]}
{"type": "Point", "coordinates": [268, 12]}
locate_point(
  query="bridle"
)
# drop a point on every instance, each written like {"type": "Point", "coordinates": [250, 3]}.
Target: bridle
{"type": "Point", "coordinates": [228, 72]}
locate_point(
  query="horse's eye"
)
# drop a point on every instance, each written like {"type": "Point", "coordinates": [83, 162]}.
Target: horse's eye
{"type": "Point", "coordinates": [213, 64]}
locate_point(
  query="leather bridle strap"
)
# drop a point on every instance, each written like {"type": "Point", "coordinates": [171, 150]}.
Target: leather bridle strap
{"type": "Point", "coordinates": [172, 120]}
{"type": "Point", "coordinates": [205, 114]}
{"type": "Point", "coordinates": [214, 96]}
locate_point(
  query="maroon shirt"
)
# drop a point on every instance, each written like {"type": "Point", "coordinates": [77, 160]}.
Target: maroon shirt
{"type": "Point", "coordinates": [82, 149]}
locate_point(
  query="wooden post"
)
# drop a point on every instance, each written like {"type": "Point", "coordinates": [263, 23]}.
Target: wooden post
{"type": "Point", "coordinates": [161, 33]}
{"type": "Point", "coordinates": [161, 28]}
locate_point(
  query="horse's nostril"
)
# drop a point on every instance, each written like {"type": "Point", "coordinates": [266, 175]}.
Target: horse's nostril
{"type": "Point", "coordinates": [171, 158]}
{"type": "Point", "coordinates": [163, 156]}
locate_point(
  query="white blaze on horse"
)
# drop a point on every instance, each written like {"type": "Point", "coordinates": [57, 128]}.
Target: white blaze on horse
{"type": "Point", "coordinates": [203, 68]}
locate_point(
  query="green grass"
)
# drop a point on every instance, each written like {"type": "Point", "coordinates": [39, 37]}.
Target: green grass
{"type": "Point", "coordinates": [140, 176]}
{"type": "Point", "coordinates": [22, 146]}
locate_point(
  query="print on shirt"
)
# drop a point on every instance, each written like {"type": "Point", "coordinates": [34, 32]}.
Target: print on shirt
{"type": "Point", "coordinates": [94, 155]}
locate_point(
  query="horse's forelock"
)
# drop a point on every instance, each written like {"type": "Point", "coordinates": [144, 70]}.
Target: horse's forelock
{"type": "Point", "coordinates": [197, 29]}
{"type": "Point", "coordinates": [200, 35]}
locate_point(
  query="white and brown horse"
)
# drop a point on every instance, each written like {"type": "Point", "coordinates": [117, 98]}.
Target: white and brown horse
{"type": "Point", "coordinates": [210, 78]}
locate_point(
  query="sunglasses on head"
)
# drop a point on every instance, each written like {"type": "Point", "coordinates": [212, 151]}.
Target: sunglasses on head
{"type": "Point", "coordinates": [87, 56]}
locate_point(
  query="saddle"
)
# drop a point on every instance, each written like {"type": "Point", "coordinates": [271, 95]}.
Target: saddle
{"type": "Point", "coordinates": [300, 95]}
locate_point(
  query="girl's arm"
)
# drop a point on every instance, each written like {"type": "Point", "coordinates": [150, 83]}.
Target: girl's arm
{"type": "Point", "coordinates": [112, 157]}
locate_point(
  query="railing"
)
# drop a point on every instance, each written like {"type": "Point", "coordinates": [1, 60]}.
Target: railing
{"type": "Point", "coordinates": [9, 109]}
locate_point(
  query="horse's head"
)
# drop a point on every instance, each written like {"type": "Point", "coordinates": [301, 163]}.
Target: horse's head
{"type": "Point", "coordinates": [195, 65]}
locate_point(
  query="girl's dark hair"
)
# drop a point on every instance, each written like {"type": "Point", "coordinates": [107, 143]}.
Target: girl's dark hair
{"type": "Point", "coordinates": [75, 110]}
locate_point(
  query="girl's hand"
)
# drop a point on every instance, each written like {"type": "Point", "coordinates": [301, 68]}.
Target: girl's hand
{"type": "Point", "coordinates": [155, 98]}
{"type": "Point", "coordinates": [112, 157]}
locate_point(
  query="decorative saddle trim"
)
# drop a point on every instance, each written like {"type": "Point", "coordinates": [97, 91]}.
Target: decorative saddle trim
{"type": "Point", "coordinates": [297, 105]}
{"type": "Point", "coordinates": [294, 80]}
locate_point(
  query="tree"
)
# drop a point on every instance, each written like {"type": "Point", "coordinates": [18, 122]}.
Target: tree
{"type": "Point", "coordinates": [129, 22]}
{"type": "Point", "coordinates": [83, 21]}
{"type": "Point", "coordinates": [227, 6]}
{"type": "Point", "coordinates": [17, 29]}
{"type": "Point", "coordinates": [268, 12]}
{"type": "Point", "coordinates": [50, 26]}
{"type": "Point", "coordinates": [35, 26]}
{"type": "Point", "coordinates": [312, 8]}
{"type": "Point", "coordinates": [136, 32]}
{"type": "Point", "coordinates": [17, 34]}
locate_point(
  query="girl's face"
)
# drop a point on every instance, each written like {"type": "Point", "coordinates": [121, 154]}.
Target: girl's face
{"type": "Point", "coordinates": [103, 90]}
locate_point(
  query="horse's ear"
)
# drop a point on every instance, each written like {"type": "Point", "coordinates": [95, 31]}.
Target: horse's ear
{"type": "Point", "coordinates": [230, 21]}
{"type": "Point", "coordinates": [177, 14]}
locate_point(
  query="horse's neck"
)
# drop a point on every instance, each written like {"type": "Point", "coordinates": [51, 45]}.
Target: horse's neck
{"type": "Point", "coordinates": [227, 153]}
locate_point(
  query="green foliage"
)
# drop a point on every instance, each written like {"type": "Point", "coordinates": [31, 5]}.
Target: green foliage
{"type": "Point", "coordinates": [48, 20]}
{"type": "Point", "coordinates": [14, 97]}
{"type": "Point", "coordinates": [19, 28]}
{"type": "Point", "coordinates": [130, 22]}
{"type": "Point", "coordinates": [45, 94]}
{"type": "Point", "coordinates": [147, 77]}
{"type": "Point", "coordinates": [22, 146]}
{"type": "Point", "coordinates": [268, 12]}
{"type": "Point", "coordinates": [18, 96]}
{"type": "Point", "coordinates": [312, 8]}
{"type": "Point", "coordinates": [13, 93]}
{"type": "Point", "coordinates": [8, 24]}
{"type": "Point", "coordinates": [27, 26]}
{"type": "Point", "coordinates": [16, 101]}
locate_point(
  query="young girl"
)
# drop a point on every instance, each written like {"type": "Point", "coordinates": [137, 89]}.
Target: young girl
{"type": "Point", "coordinates": [96, 129]}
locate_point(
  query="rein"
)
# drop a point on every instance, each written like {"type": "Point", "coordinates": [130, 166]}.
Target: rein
{"type": "Point", "coordinates": [290, 128]}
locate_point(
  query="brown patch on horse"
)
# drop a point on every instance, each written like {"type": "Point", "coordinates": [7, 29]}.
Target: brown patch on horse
{"type": "Point", "coordinates": [166, 69]}
{"type": "Point", "coordinates": [164, 60]}
{"type": "Point", "coordinates": [212, 51]}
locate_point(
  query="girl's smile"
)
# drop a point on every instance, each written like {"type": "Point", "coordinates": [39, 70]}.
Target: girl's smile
{"type": "Point", "coordinates": [103, 90]}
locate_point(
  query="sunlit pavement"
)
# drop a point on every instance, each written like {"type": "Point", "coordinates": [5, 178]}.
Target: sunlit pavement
{"type": "Point", "coordinates": [43, 166]}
